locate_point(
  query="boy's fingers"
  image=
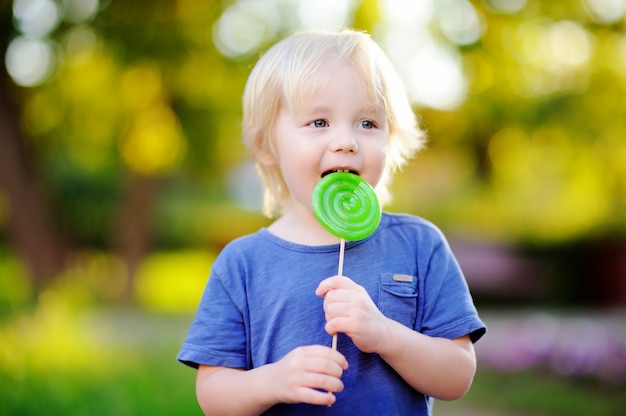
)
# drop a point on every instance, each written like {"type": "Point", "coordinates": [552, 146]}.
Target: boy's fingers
{"type": "Point", "coordinates": [334, 282]}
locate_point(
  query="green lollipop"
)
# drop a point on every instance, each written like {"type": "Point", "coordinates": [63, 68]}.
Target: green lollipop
{"type": "Point", "coordinates": [346, 205]}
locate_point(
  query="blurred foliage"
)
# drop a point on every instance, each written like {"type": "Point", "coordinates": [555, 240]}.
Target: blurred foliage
{"type": "Point", "coordinates": [60, 360]}
{"type": "Point", "coordinates": [167, 282]}
{"type": "Point", "coordinates": [533, 153]}
{"type": "Point", "coordinates": [15, 289]}
{"type": "Point", "coordinates": [540, 393]}
{"type": "Point", "coordinates": [173, 282]}
{"type": "Point", "coordinates": [77, 355]}
{"type": "Point", "coordinates": [536, 150]}
{"type": "Point", "coordinates": [121, 361]}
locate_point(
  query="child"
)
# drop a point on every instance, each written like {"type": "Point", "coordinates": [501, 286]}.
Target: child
{"type": "Point", "coordinates": [315, 103]}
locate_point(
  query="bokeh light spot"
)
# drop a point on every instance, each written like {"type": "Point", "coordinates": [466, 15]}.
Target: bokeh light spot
{"type": "Point", "coordinates": [460, 22]}
{"type": "Point", "coordinates": [154, 142]}
{"type": "Point", "coordinates": [431, 70]}
{"type": "Point", "coordinates": [508, 151]}
{"type": "Point", "coordinates": [606, 11]}
{"type": "Point", "coordinates": [142, 85]}
{"type": "Point", "coordinates": [327, 14]}
{"type": "Point", "coordinates": [77, 11]}
{"type": "Point", "coordinates": [36, 18]}
{"type": "Point", "coordinates": [409, 12]}
{"type": "Point", "coordinates": [244, 27]}
{"type": "Point", "coordinates": [568, 44]}
{"type": "Point", "coordinates": [434, 78]}
{"type": "Point", "coordinates": [29, 62]}
{"type": "Point", "coordinates": [42, 113]}
{"type": "Point", "coordinates": [173, 281]}
{"type": "Point", "coordinates": [506, 6]}
{"type": "Point", "coordinates": [78, 43]}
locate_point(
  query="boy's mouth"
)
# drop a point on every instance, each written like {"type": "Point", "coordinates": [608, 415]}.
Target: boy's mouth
{"type": "Point", "coordinates": [328, 172]}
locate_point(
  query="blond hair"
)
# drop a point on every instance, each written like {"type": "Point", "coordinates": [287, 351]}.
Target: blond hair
{"type": "Point", "coordinates": [291, 71]}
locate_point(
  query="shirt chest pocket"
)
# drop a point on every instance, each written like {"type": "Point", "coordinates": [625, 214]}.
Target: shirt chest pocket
{"type": "Point", "coordinates": [397, 297]}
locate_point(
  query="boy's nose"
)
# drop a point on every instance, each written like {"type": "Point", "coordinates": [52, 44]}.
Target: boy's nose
{"type": "Point", "coordinates": [344, 142]}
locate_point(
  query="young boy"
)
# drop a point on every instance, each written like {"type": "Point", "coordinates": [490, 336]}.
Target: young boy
{"type": "Point", "coordinates": [315, 103]}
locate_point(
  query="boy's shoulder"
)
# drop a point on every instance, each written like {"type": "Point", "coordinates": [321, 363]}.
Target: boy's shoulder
{"type": "Point", "coordinates": [247, 241]}
{"type": "Point", "coordinates": [410, 223]}
{"type": "Point", "coordinates": [245, 249]}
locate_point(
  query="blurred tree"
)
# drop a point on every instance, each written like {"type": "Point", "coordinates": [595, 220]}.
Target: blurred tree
{"type": "Point", "coordinates": [131, 133]}
{"type": "Point", "coordinates": [99, 134]}
{"type": "Point", "coordinates": [535, 151]}
{"type": "Point", "coordinates": [31, 227]}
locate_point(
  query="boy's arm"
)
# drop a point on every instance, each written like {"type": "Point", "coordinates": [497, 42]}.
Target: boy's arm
{"type": "Point", "coordinates": [437, 367]}
{"type": "Point", "coordinates": [304, 375]}
{"type": "Point", "coordinates": [223, 390]}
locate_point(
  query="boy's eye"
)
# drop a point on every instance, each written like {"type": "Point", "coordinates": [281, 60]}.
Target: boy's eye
{"type": "Point", "coordinates": [319, 123]}
{"type": "Point", "coordinates": [368, 124]}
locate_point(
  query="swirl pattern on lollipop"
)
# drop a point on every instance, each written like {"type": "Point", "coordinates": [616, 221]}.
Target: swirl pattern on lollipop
{"type": "Point", "coordinates": [346, 205]}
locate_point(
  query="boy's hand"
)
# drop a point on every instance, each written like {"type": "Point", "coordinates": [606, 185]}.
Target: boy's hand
{"type": "Point", "coordinates": [350, 310]}
{"type": "Point", "coordinates": [307, 374]}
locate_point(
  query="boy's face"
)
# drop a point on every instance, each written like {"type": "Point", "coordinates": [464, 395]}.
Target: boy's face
{"type": "Point", "coordinates": [338, 128]}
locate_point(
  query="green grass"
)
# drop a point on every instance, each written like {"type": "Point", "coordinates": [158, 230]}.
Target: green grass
{"type": "Point", "coordinates": [59, 361]}
{"type": "Point", "coordinates": [535, 393]}
{"type": "Point", "coordinates": [152, 388]}
{"type": "Point", "coordinates": [117, 362]}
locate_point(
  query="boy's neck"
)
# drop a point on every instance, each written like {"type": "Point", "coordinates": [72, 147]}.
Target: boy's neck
{"type": "Point", "coordinates": [303, 229]}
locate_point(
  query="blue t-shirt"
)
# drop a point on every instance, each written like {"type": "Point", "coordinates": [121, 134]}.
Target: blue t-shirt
{"type": "Point", "coordinates": [260, 303]}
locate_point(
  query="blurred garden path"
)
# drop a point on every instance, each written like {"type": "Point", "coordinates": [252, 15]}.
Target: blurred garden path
{"type": "Point", "coordinates": [584, 344]}
{"type": "Point", "coordinates": [572, 343]}
{"type": "Point", "coordinates": [458, 408]}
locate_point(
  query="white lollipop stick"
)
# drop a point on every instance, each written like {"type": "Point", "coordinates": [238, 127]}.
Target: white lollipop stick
{"type": "Point", "coordinates": [342, 249]}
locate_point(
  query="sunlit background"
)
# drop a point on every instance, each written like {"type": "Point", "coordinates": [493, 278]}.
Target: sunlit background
{"type": "Point", "coordinates": [122, 175]}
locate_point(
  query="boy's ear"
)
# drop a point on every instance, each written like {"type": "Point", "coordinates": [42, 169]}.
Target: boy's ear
{"type": "Point", "coordinates": [263, 154]}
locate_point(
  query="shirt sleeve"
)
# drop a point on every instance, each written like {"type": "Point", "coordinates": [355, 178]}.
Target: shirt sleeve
{"type": "Point", "coordinates": [217, 336]}
{"type": "Point", "coordinates": [448, 308]}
